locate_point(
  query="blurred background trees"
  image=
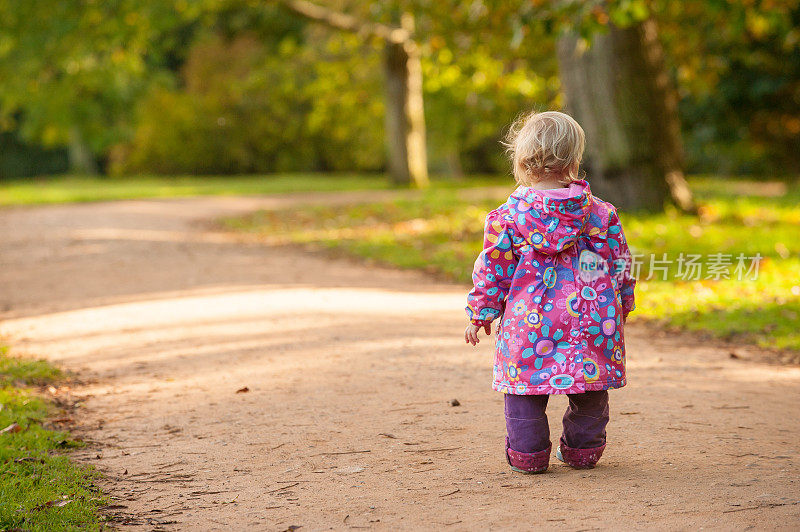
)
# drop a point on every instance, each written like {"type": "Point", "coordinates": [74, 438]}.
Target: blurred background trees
{"type": "Point", "coordinates": [245, 86]}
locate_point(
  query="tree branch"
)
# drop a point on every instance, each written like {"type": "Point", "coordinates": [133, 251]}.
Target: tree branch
{"type": "Point", "coordinates": [343, 21]}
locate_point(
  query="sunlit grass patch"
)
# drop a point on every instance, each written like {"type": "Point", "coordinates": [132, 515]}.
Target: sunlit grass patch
{"type": "Point", "coordinates": [73, 189]}
{"type": "Point", "coordinates": [26, 371]}
{"type": "Point", "coordinates": [40, 488]}
{"type": "Point", "coordinates": [438, 232]}
{"type": "Point", "coordinates": [764, 311]}
{"type": "Point", "coordinates": [441, 231]}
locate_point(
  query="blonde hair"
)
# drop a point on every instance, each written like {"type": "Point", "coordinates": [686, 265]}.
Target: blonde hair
{"type": "Point", "coordinates": [544, 145]}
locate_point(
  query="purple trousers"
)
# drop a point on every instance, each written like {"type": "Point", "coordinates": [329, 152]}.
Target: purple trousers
{"type": "Point", "coordinates": [584, 422]}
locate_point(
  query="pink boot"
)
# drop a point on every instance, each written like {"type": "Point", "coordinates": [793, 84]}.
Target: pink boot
{"type": "Point", "coordinates": [528, 462]}
{"type": "Point", "coordinates": [579, 458]}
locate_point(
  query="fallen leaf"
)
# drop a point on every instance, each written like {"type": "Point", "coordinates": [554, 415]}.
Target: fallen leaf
{"type": "Point", "coordinates": [28, 459]}
{"type": "Point", "coordinates": [390, 436]}
{"type": "Point", "coordinates": [243, 390]}
{"type": "Point", "coordinates": [60, 503]}
{"type": "Point", "coordinates": [11, 428]}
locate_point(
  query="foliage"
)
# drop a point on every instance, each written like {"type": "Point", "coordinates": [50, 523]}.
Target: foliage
{"type": "Point", "coordinates": [40, 489]}
{"type": "Point", "coordinates": [72, 67]}
{"type": "Point", "coordinates": [244, 109]}
{"type": "Point", "coordinates": [19, 158]}
{"type": "Point", "coordinates": [279, 93]}
{"type": "Point", "coordinates": [737, 66]}
{"type": "Point", "coordinates": [72, 70]}
{"type": "Point", "coordinates": [472, 97]}
{"type": "Point", "coordinates": [441, 231]}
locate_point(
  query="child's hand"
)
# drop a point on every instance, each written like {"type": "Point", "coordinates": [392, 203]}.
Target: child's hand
{"type": "Point", "coordinates": [471, 334]}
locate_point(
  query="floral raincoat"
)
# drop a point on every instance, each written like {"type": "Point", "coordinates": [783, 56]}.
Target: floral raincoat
{"type": "Point", "coordinates": [555, 269]}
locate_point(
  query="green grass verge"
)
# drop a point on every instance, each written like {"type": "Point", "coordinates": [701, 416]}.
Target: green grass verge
{"type": "Point", "coordinates": [441, 232]}
{"type": "Point", "coordinates": [40, 488]}
{"type": "Point", "coordinates": [72, 189]}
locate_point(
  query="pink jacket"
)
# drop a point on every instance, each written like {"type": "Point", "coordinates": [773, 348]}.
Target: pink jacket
{"type": "Point", "coordinates": [555, 268]}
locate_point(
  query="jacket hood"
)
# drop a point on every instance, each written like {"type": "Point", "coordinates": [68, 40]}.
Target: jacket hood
{"type": "Point", "coordinates": [551, 220]}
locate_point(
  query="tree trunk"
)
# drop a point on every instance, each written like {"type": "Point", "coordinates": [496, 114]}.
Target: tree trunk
{"type": "Point", "coordinates": [454, 166]}
{"type": "Point", "coordinates": [81, 158]}
{"type": "Point", "coordinates": [405, 115]}
{"type": "Point", "coordinates": [620, 93]}
{"type": "Point", "coordinates": [405, 110]}
{"type": "Point", "coordinates": [396, 69]}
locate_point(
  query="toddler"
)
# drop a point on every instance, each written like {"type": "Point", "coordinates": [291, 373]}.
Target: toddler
{"type": "Point", "coordinates": [555, 270]}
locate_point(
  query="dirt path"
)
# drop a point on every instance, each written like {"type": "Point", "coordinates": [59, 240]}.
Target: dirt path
{"type": "Point", "coordinates": [350, 369]}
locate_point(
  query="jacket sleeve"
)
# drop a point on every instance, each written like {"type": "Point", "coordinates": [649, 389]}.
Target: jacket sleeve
{"type": "Point", "coordinates": [622, 264]}
{"type": "Point", "coordinates": [493, 271]}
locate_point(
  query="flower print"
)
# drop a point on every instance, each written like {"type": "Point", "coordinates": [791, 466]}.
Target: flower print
{"type": "Point", "coordinates": [540, 377]}
{"type": "Point", "coordinates": [595, 295]}
{"type": "Point", "coordinates": [497, 371]}
{"type": "Point", "coordinates": [613, 374]}
{"type": "Point", "coordinates": [617, 355]}
{"type": "Point", "coordinates": [499, 377]}
{"type": "Point", "coordinates": [523, 206]}
{"type": "Point", "coordinates": [545, 346]}
{"type": "Point", "coordinates": [514, 372]}
{"type": "Point", "coordinates": [590, 370]}
{"type": "Point", "coordinates": [533, 318]}
{"type": "Point", "coordinates": [502, 347]}
{"type": "Point", "coordinates": [550, 276]}
{"type": "Point", "coordinates": [572, 304]}
{"type": "Point", "coordinates": [595, 222]}
{"type": "Point", "coordinates": [562, 381]}
{"type": "Point", "coordinates": [486, 314]}
{"type": "Point", "coordinates": [552, 381]}
{"type": "Point", "coordinates": [553, 276]}
{"type": "Point", "coordinates": [568, 305]}
{"type": "Point", "coordinates": [606, 327]}
{"type": "Point", "coordinates": [559, 332]}
{"type": "Point", "coordinates": [616, 358]}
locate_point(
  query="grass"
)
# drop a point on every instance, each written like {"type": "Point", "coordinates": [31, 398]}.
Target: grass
{"type": "Point", "coordinates": [441, 232]}
{"type": "Point", "coordinates": [40, 488]}
{"type": "Point", "coordinates": [72, 189]}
